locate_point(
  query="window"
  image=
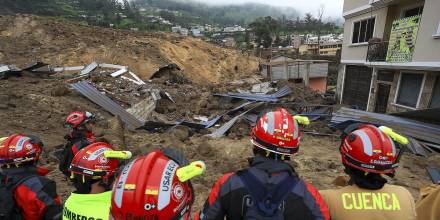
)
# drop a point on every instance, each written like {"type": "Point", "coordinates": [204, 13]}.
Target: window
{"type": "Point", "coordinates": [413, 12]}
{"type": "Point", "coordinates": [409, 89]}
{"type": "Point", "coordinates": [363, 30]}
{"type": "Point", "coordinates": [385, 75]}
{"type": "Point", "coordinates": [435, 101]}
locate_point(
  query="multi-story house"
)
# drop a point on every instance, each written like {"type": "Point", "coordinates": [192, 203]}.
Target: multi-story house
{"type": "Point", "coordinates": [390, 59]}
{"type": "Point", "coordinates": [330, 48]}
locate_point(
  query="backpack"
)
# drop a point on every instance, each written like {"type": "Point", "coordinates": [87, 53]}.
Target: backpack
{"type": "Point", "coordinates": [266, 200]}
{"type": "Point", "coordinates": [8, 207]}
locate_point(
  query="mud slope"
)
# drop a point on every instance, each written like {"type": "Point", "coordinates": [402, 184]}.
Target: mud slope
{"type": "Point", "coordinates": [25, 37]}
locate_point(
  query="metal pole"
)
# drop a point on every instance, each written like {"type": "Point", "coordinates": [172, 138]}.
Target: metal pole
{"type": "Point", "coordinates": [306, 76]}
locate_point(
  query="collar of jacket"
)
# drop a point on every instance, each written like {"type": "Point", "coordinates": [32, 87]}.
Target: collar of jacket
{"type": "Point", "coordinates": [75, 134]}
{"type": "Point", "coordinates": [271, 166]}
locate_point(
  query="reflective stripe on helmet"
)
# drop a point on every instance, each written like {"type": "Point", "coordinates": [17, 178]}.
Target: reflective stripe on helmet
{"type": "Point", "coordinates": [295, 129]}
{"type": "Point", "coordinates": [366, 142]}
{"type": "Point", "coordinates": [20, 143]}
{"type": "Point", "coordinates": [120, 185]}
{"type": "Point", "coordinates": [393, 145]}
{"type": "Point", "coordinates": [270, 123]}
{"type": "Point", "coordinates": [166, 183]}
{"type": "Point", "coordinates": [98, 152]}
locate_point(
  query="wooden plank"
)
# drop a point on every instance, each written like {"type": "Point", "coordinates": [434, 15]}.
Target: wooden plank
{"type": "Point", "coordinates": [136, 77]}
{"type": "Point", "coordinates": [89, 68]}
{"type": "Point", "coordinates": [131, 80]}
{"type": "Point", "coordinates": [114, 66]}
{"type": "Point", "coordinates": [119, 72]}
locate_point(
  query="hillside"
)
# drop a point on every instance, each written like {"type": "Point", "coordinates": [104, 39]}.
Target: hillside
{"type": "Point", "coordinates": [188, 11]}
{"type": "Point", "coordinates": [27, 38]}
{"type": "Point", "coordinates": [126, 13]}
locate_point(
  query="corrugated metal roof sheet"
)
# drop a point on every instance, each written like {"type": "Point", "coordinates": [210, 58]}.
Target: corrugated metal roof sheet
{"type": "Point", "coordinates": [228, 125]}
{"type": "Point", "coordinates": [426, 115]}
{"type": "Point", "coordinates": [419, 130]}
{"type": "Point", "coordinates": [259, 97]}
{"type": "Point", "coordinates": [97, 97]}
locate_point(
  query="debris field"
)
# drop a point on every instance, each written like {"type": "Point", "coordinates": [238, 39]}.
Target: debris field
{"type": "Point", "coordinates": [158, 97]}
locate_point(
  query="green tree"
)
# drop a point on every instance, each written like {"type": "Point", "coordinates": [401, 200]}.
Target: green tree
{"type": "Point", "coordinates": [265, 30]}
{"type": "Point", "coordinates": [168, 16]}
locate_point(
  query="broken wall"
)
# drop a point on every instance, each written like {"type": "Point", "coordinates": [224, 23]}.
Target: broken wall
{"type": "Point", "coordinates": [318, 84]}
{"type": "Point", "coordinates": [392, 107]}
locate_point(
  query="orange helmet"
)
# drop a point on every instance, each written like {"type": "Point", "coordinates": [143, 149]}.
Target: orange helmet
{"type": "Point", "coordinates": [277, 131]}
{"type": "Point", "coordinates": [369, 149]}
{"type": "Point", "coordinates": [20, 148]}
{"type": "Point", "coordinates": [149, 188]}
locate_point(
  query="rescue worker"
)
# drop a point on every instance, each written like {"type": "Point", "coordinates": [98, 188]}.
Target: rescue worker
{"type": "Point", "coordinates": [93, 172]}
{"type": "Point", "coordinates": [427, 207]}
{"type": "Point", "coordinates": [81, 135]}
{"type": "Point", "coordinates": [270, 188]}
{"type": "Point", "coordinates": [368, 152]}
{"type": "Point", "coordinates": [25, 192]}
{"type": "Point", "coordinates": [155, 186]}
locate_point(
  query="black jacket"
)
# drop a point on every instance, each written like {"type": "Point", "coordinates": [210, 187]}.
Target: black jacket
{"type": "Point", "coordinates": [75, 142]}
{"type": "Point", "coordinates": [228, 197]}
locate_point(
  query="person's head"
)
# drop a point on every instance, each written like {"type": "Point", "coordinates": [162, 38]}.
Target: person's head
{"type": "Point", "coordinates": [368, 151]}
{"type": "Point", "coordinates": [276, 135]}
{"type": "Point", "coordinates": [155, 186]}
{"type": "Point", "coordinates": [19, 150]}
{"type": "Point", "coordinates": [92, 171]}
{"type": "Point", "coordinates": [80, 121]}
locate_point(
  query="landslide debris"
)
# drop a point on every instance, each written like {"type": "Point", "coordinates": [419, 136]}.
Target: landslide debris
{"type": "Point", "coordinates": [25, 38]}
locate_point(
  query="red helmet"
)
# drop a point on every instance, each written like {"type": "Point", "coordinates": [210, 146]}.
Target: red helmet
{"type": "Point", "coordinates": [148, 188]}
{"type": "Point", "coordinates": [91, 162]}
{"type": "Point", "coordinates": [277, 132]}
{"type": "Point", "coordinates": [369, 149]}
{"type": "Point", "coordinates": [20, 148]}
{"type": "Point", "coordinates": [76, 119]}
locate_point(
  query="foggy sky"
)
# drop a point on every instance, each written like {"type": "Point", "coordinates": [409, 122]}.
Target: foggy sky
{"type": "Point", "coordinates": [333, 8]}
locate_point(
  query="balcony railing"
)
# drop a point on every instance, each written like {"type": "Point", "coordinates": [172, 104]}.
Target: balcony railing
{"type": "Point", "coordinates": [377, 51]}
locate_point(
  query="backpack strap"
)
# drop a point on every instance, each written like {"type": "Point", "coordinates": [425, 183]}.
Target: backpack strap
{"type": "Point", "coordinates": [267, 200]}
{"type": "Point", "coordinates": [13, 185]}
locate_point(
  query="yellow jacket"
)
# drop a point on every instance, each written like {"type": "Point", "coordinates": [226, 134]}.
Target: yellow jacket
{"type": "Point", "coordinates": [428, 207]}
{"type": "Point", "coordinates": [87, 206]}
{"type": "Point", "coordinates": [355, 203]}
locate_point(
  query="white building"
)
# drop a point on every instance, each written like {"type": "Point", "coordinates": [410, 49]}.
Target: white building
{"type": "Point", "coordinates": [196, 32]}
{"type": "Point", "coordinates": [235, 28]}
{"type": "Point", "coordinates": [184, 31]}
{"type": "Point", "coordinates": [175, 29]}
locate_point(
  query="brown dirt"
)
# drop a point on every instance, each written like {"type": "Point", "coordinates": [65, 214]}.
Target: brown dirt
{"type": "Point", "coordinates": [29, 107]}
{"type": "Point", "coordinates": [25, 38]}
{"type": "Point", "coordinates": [38, 106]}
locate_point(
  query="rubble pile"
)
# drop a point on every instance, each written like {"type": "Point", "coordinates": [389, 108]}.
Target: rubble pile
{"type": "Point", "coordinates": [165, 95]}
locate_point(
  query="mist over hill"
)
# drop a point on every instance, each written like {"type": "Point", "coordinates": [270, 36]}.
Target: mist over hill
{"type": "Point", "coordinates": [196, 12]}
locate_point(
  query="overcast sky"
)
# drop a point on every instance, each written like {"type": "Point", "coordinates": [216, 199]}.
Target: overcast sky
{"type": "Point", "coordinates": [333, 8]}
